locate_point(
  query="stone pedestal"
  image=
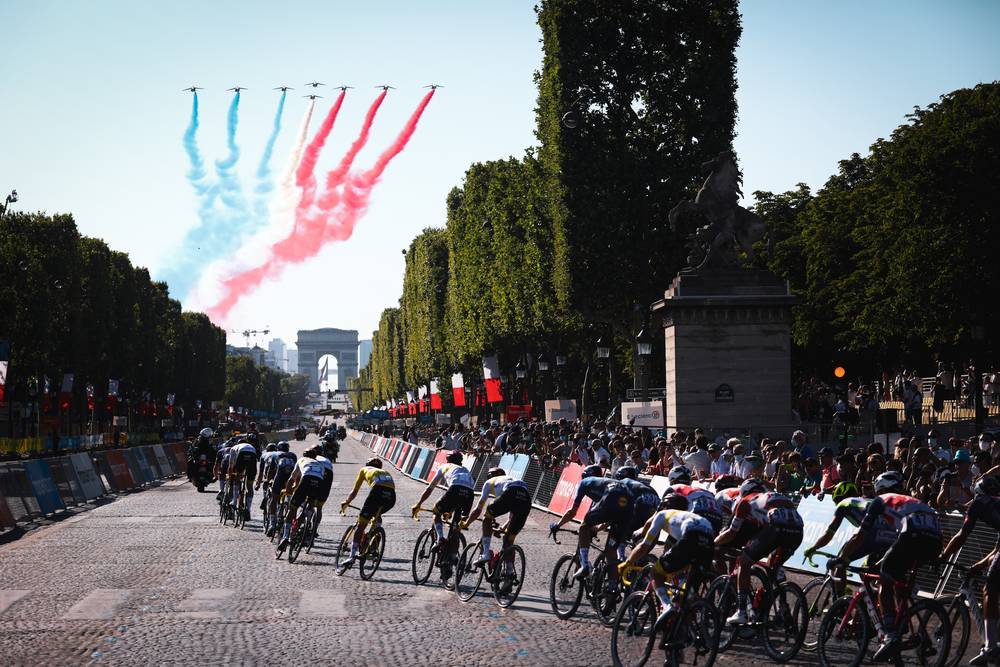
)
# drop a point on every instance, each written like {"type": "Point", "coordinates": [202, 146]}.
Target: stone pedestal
{"type": "Point", "coordinates": [728, 352]}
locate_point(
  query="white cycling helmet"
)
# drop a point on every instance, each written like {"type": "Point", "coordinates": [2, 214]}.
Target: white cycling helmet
{"type": "Point", "coordinates": [888, 481]}
{"type": "Point", "coordinates": [679, 475]}
{"type": "Point", "coordinates": [207, 433]}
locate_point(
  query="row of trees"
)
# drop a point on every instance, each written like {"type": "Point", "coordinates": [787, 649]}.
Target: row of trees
{"type": "Point", "coordinates": [70, 304]}
{"type": "Point", "coordinates": [546, 252]}
{"type": "Point", "coordinates": [262, 388]}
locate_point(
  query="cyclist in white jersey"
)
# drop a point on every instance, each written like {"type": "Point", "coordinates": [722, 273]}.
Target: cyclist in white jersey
{"type": "Point", "coordinates": [456, 500]}
{"type": "Point", "coordinates": [512, 497]}
{"type": "Point", "coordinates": [311, 480]}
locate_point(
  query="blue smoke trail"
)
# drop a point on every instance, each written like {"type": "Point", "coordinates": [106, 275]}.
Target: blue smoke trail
{"type": "Point", "coordinates": [265, 184]}
{"type": "Point", "coordinates": [229, 182]}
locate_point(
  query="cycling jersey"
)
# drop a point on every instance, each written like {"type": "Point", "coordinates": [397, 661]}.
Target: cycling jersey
{"type": "Point", "coordinates": [310, 467]}
{"type": "Point", "coordinates": [244, 448]}
{"type": "Point", "coordinates": [497, 486]}
{"type": "Point", "coordinates": [285, 461]}
{"type": "Point", "coordinates": [452, 474]}
{"type": "Point", "coordinates": [676, 523]}
{"type": "Point", "coordinates": [645, 500]}
{"type": "Point", "coordinates": [512, 496]}
{"type": "Point", "coordinates": [765, 509]}
{"type": "Point", "coordinates": [902, 514]}
{"type": "Point", "coordinates": [267, 460]}
{"type": "Point", "coordinates": [986, 509]}
{"type": "Point", "coordinates": [375, 477]}
{"type": "Point", "coordinates": [700, 501]}
{"type": "Point", "coordinates": [726, 499]}
{"type": "Point", "coordinates": [594, 488]}
{"type": "Point", "coordinates": [852, 509]}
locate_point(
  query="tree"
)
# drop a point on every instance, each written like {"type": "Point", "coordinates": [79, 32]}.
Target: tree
{"type": "Point", "coordinates": [422, 306]}
{"type": "Point", "coordinates": [241, 382]}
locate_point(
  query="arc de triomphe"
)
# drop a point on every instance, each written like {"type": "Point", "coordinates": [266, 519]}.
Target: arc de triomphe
{"type": "Point", "coordinates": [340, 343]}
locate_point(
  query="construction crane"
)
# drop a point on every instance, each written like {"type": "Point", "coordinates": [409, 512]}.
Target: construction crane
{"type": "Point", "coordinates": [251, 333]}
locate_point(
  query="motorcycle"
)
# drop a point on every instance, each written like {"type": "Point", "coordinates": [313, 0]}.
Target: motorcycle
{"type": "Point", "coordinates": [331, 448]}
{"type": "Point", "coordinates": [202, 474]}
{"type": "Point", "coordinates": [300, 433]}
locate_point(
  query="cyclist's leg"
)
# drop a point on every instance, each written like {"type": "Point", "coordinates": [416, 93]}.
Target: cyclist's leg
{"type": "Point", "coordinates": [991, 610]}
{"type": "Point", "coordinates": [463, 506]}
{"type": "Point", "coordinates": [761, 544]}
{"type": "Point", "coordinates": [251, 476]}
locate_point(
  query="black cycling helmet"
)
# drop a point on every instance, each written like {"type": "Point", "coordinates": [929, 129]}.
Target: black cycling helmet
{"type": "Point", "coordinates": [311, 453]}
{"type": "Point", "coordinates": [987, 486]}
{"type": "Point", "coordinates": [673, 501]}
{"type": "Point", "coordinates": [374, 462]}
{"type": "Point", "coordinates": [454, 457]}
{"type": "Point", "coordinates": [726, 482]}
{"type": "Point", "coordinates": [270, 447]}
{"type": "Point", "coordinates": [495, 472]}
{"type": "Point", "coordinates": [627, 471]}
{"type": "Point", "coordinates": [282, 446]}
{"type": "Point", "coordinates": [592, 471]}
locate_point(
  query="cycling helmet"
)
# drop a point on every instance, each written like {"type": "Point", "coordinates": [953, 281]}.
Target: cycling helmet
{"type": "Point", "coordinates": [311, 453]}
{"type": "Point", "coordinates": [454, 457]}
{"type": "Point", "coordinates": [987, 486]}
{"type": "Point", "coordinates": [887, 482]}
{"type": "Point", "coordinates": [726, 482]}
{"type": "Point", "coordinates": [845, 490]}
{"type": "Point", "coordinates": [282, 446]}
{"type": "Point", "coordinates": [592, 471]}
{"type": "Point", "coordinates": [207, 433]}
{"type": "Point", "coordinates": [674, 501]}
{"type": "Point", "coordinates": [627, 471]}
{"type": "Point", "coordinates": [374, 462]}
{"type": "Point", "coordinates": [679, 475]}
{"type": "Point", "coordinates": [752, 486]}
{"type": "Point", "coordinates": [495, 472]}
{"type": "Point", "coordinates": [270, 447]}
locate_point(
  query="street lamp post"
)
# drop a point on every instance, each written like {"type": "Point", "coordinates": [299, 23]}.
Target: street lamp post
{"type": "Point", "coordinates": [560, 371]}
{"type": "Point", "coordinates": [604, 362]}
{"type": "Point", "coordinates": [978, 336]}
{"type": "Point", "coordinates": [644, 351]}
{"type": "Point", "coordinates": [543, 371]}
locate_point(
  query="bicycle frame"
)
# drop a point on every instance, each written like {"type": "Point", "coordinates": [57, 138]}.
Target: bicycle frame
{"type": "Point", "coordinates": [868, 593]}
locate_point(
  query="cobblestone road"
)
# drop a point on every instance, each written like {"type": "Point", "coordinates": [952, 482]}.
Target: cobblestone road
{"type": "Point", "coordinates": [152, 578]}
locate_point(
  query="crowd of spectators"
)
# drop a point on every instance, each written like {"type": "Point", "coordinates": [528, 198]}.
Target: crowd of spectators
{"type": "Point", "coordinates": [940, 471]}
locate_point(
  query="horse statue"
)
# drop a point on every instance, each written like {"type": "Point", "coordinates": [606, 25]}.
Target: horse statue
{"type": "Point", "coordinates": [731, 227]}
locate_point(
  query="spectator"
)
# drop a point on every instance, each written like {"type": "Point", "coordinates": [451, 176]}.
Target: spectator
{"type": "Point", "coordinates": [699, 460]}
{"type": "Point", "coordinates": [753, 467]}
{"type": "Point", "coordinates": [923, 487]}
{"type": "Point", "coordinates": [790, 477]}
{"type": "Point", "coordinates": [913, 403]}
{"type": "Point", "coordinates": [800, 444]}
{"type": "Point", "coordinates": [956, 486]}
{"type": "Point", "coordinates": [813, 473]}
{"type": "Point", "coordinates": [719, 465]}
{"type": "Point", "coordinates": [829, 467]}
{"type": "Point", "coordinates": [582, 454]}
{"type": "Point", "coordinates": [601, 455]}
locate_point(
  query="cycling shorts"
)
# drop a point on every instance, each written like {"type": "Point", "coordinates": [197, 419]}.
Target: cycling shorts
{"type": "Point", "coordinates": [615, 509]}
{"type": "Point", "coordinates": [325, 485]}
{"type": "Point", "coordinates": [310, 487]}
{"type": "Point", "coordinates": [770, 538]}
{"type": "Point", "coordinates": [456, 500]}
{"type": "Point", "coordinates": [246, 466]}
{"type": "Point", "coordinates": [516, 501]}
{"type": "Point", "coordinates": [643, 507]}
{"type": "Point", "coordinates": [380, 500]}
{"type": "Point", "coordinates": [908, 552]}
{"type": "Point", "coordinates": [694, 548]}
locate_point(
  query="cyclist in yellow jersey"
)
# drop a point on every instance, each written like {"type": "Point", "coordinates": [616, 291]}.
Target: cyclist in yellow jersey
{"type": "Point", "coordinates": [380, 500]}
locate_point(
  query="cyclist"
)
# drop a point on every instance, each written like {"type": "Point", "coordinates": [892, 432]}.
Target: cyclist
{"type": "Point", "coordinates": [242, 472]}
{"type": "Point", "coordinates": [645, 501]}
{"type": "Point", "coordinates": [916, 540]}
{"type": "Point", "coordinates": [512, 497]}
{"type": "Point", "coordinates": [612, 505]}
{"type": "Point", "coordinates": [381, 498]}
{"type": "Point", "coordinates": [764, 522]}
{"type": "Point", "coordinates": [456, 500]}
{"type": "Point", "coordinates": [278, 473]}
{"type": "Point", "coordinates": [700, 501]}
{"type": "Point", "coordinates": [266, 461]}
{"type": "Point", "coordinates": [692, 545]}
{"type": "Point", "coordinates": [985, 506]}
{"type": "Point", "coordinates": [310, 480]}
{"type": "Point", "coordinates": [852, 508]}
{"type": "Point", "coordinates": [221, 472]}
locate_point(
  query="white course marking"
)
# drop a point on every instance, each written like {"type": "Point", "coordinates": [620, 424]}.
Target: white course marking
{"type": "Point", "coordinates": [206, 603]}
{"type": "Point", "coordinates": [137, 519]}
{"type": "Point", "coordinates": [100, 604]}
{"type": "Point", "coordinates": [426, 597]}
{"type": "Point", "coordinates": [326, 604]}
{"type": "Point", "coordinates": [9, 597]}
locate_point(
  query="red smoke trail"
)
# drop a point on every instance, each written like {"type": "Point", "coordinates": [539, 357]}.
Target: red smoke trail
{"type": "Point", "coordinates": [356, 195]}
{"type": "Point", "coordinates": [305, 176]}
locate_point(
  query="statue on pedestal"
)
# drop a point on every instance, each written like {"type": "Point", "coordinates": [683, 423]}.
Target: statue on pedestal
{"type": "Point", "coordinates": [730, 229]}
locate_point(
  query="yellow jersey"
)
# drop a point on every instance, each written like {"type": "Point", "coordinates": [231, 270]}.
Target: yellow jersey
{"type": "Point", "coordinates": [375, 477]}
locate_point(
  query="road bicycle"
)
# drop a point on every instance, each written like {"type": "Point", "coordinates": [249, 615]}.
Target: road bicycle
{"type": "Point", "coordinates": [303, 531]}
{"type": "Point", "coordinates": [225, 509]}
{"type": "Point", "coordinates": [428, 551]}
{"type": "Point", "coordinates": [266, 516]}
{"type": "Point", "coordinates": [371, 550]}
{"type": "Point", "coordinates": [504, 581]}
{"type": "Point", "coordinates": [963, 610]}
{"type": "Point", "coordinates": [566, 592]}
{"type": "Point", "coordinates": [240, 518]}
{"type": "Point", "coordinates": [851, 621]}
{"type": "Point", "coordinates": [777, 613]}
{"type": "Point", "coordinates": [279, 517]}
{"type": "Point", "coordinates": [821, 592]}
{"type": "Point", "coordinates": [689, 636]}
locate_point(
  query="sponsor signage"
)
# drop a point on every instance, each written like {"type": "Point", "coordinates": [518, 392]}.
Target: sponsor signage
{"type": "Point", "coordinates": [643, 413]}
{"type": "Point", "coordinates": [724, 394]}
{"type": "Point", "coordinates": [560, 409]}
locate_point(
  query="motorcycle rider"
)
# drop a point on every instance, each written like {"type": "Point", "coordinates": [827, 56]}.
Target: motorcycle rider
{"type": "Point", "coordinates": [201, 445]}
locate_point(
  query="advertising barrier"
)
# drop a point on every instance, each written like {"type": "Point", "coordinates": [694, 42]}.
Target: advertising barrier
{"type": "Point", "coordinates": [562, 497]}
{"type": "Point", "coordinates": [64, 477]}
{"type": "Point", "coordinates": [439, 460]}
{"type": "Point", "coordinates": [40, 476]}
{"type": "Point", "coordinates": [166, 466]}
{"type": "Point", "coordinates": [17, 490]}
{"type": "Point", "coordinates": [6, 517]}
{"type": "Point", "coordinates": [121, 471]}
{"type": "Point", "coordinates": [85, 472]}
{"type": "Point", "coordinates": [518, 466]}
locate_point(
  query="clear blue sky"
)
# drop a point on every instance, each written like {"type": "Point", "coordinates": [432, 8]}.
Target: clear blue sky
{"type": "Point", "coordinates": [92, 111]}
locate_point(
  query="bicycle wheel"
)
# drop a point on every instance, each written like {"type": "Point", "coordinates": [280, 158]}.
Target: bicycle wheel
{"type": "Point", "coordinates": [240, 519]}
{"type": "Point", "coordinates": [297, 539]}
{"type": "Point", "coordinates": [722, 595]}
{"type": "Point", "coordinates": [222, 511]}
{"type": "Point", "coordinates": [820, 594]}
{"type": "Point", "coordinates": [279, 522]}
{"type": "Point", "coordinates": [468, 577]}
{"type": "Point", "coordinates": [506, 586]}
{"type": "Point", "coordinates": [958, 617]}
{"type": "Point", "coordinates": [632, 633]}
{"type": "Point", "coordinates": [785, 622]}
{"type": "Point", "coordinates": [371, 553]}
{"type": "Point", "coordinates": [843, 637]}
{"type": "Point", "coordinates": [925, 634]}
{"type": "Point", "coordinates": [565, 592]}
{"type": "Point", "coordinates": [344, 548]}
{"type": "Point", "coordinates": [695, 639]}
{"type": "Point", "coordinates": [424, 556]}
{"type": "Point", "coordinates": [604, 600]}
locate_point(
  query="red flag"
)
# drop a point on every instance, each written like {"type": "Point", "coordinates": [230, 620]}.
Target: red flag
{"type": "Point", "coordinates": [491, 377]}
{"type": "Point", "coordinates": [66, 395]}
{"type": "Point", "coordinates": [435, 396]}
{"type": "Point", "coordinates": [458, 390]}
